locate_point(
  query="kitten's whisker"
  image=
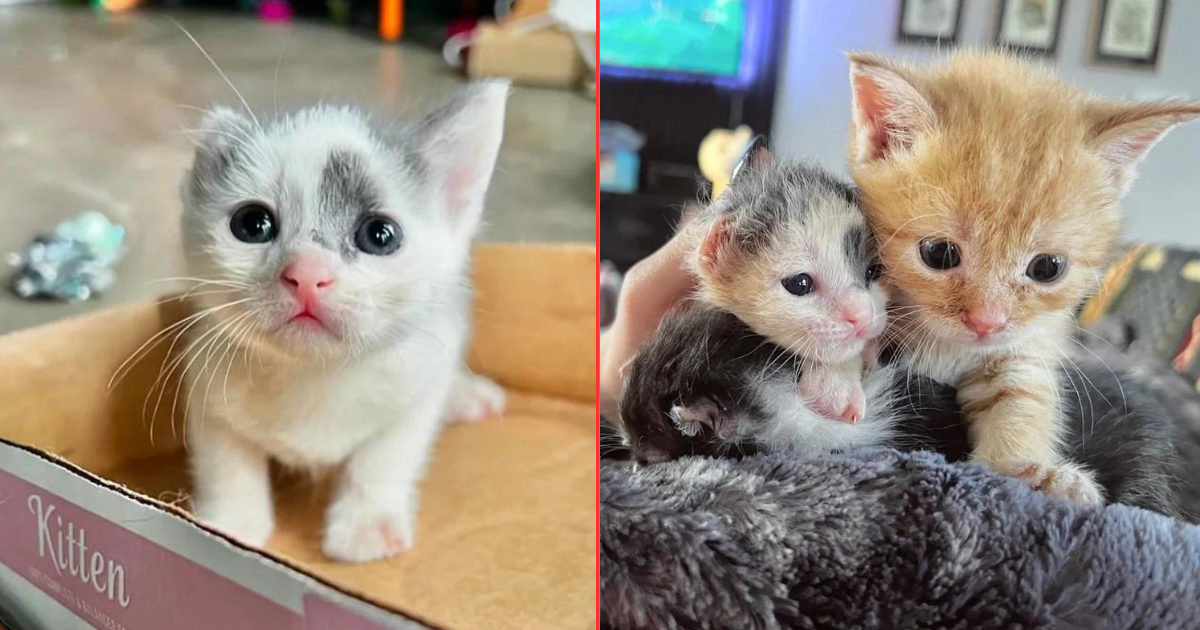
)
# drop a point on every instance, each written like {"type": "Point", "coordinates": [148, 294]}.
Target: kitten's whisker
{"type": "Point", "coordinates": [127, 366]}
{"type": "Point", "coordinates": [188, 132]}
{"type": "Point", "coordinates": [219, 281]}
{"type": "Point", "coordinates": [275, 84]}
{"type": "Point", "coordinates": [230, 337]}
{"type": "Point", "coordinates": [243, 344]}
{"type": "Point", "coordinates": [162, 381]}
{"type": "Point", "coordinates": [242, 139]}
{"type": "Point", "coordinates": [1120, 386]}
{"type": "Point", "coordinates": [217, 340]}
{"type": "Point", "coordinates": [219, 71]}
{"type": "Point", "coordinates": [196, 293]}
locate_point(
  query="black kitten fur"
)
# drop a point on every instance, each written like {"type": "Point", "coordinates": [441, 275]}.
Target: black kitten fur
{"type": "Point", "coordinates": [698, 353]}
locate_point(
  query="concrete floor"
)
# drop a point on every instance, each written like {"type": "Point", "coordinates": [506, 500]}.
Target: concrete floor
{"type": "Point", "coordinates": [92, 108]}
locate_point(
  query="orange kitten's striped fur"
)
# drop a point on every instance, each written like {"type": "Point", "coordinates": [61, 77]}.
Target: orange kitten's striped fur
{"type": "Point", "coordinates": [1004, 161]}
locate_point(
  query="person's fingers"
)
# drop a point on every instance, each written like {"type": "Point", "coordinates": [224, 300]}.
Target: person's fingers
{"type": "Point", "coordinates": [651, 288]}
{"type": "Point", "coordinates": [654, 285]}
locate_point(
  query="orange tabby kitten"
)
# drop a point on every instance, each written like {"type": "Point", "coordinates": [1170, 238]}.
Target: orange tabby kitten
{"type": "Point", "coordinates": [994, 187]}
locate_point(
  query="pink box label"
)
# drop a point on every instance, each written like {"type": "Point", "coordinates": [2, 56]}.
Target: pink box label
{"type": "Point", "coordinates": [115, 579]}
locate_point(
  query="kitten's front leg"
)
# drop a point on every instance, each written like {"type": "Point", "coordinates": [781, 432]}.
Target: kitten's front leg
{"type": "Point", "coordinates": [835, 389]}
{"type": "Point", "coordinates": [1011, 407]}
{"type": "Point", "coordinates": [374, 513]}
{"type": "Point", "coordinates": [232, 483]}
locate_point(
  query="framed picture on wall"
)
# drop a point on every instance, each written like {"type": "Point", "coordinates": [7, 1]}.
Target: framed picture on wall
{"type": "Point", "coordinates": [1130, 32]}
{"type": "Point", "coordinates": [1030, 25]}
{"type": "Point", "coordinates": [930, 21]}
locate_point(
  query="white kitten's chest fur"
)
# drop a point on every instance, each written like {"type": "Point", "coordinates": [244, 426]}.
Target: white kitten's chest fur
{"type": "Point", "coordinates": [793, 425]}
{"type": "Point", "coordinates": [316, 414]}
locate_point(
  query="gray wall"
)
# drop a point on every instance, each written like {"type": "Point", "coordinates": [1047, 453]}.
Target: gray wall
{"type": "Point", "coordinates": [812, 115]}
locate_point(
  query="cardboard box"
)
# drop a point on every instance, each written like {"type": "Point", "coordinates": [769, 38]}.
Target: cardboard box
{"type": "Point", "coordinates": [94, 531]}
{"type": "Point", "coordinates": [547, 56]}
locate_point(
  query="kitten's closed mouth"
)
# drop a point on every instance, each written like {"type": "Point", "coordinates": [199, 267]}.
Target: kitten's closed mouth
{"type": "Point", "coordinates": [307, 318]}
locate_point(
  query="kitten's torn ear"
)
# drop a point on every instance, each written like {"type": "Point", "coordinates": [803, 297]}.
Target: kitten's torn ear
{"type": "Point", "coordinates": [754, 156]}
{"type": "Point", "coordinates": [717, 247]}
{"type": "Point", "coordinates": [461, 140]}
{"type": "Point", "coordinates": [889, 114]}
{"type": "Point", "coordinates": [1124, 133]}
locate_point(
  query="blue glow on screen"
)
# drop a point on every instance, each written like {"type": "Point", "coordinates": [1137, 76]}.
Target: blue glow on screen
{"type": "Point", "coordinates": [693, 39]}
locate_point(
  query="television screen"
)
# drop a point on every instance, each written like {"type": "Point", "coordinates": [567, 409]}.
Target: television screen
{"type": "Point", "coordinates": [688, 36]}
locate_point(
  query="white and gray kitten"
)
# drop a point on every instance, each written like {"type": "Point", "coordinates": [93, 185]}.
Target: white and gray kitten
{"type": "Point", "coordinates": [786, 248]}
{"type": "Point", "coordinates": [336, 255]}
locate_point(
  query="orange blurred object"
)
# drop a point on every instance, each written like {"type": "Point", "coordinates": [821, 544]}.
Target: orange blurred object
{"type": "Point", "coordinates": [522, 9]}
{"type": "Point", "coordinates": [117, 6]}
{"type": "Point", "coordinates": [391, 19]}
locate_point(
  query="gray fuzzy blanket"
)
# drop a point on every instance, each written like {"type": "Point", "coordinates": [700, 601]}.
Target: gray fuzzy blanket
{"type": "Point", "coordinates": [879, 539]}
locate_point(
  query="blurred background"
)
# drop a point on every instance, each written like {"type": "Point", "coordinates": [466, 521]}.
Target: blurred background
{"type": "Point", "coordinates": [686, 83]}
{"type": "Point", "coordinates": [674, 70]}
{"type": "Point", "coordinates": [96, 100]}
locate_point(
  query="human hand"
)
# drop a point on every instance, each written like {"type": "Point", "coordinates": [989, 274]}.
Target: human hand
{"type": "Point", "coordinates": [651, 288]}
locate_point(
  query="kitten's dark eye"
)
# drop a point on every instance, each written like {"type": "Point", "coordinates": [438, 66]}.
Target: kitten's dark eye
{"type": "Point", "coordinates": [378, 236]}
{"type": "Point", "coordinates": [940, 254]}
{"type": "Point", "coordinates": [874, 272]}
{"type": "Point", "coordinates": [253, 223]}
{"type": "Point", "coordinates": [799, 284]}
{"type": "Point", "coordinates": [1046, 268]}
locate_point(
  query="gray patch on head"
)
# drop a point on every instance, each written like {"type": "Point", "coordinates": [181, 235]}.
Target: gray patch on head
{"type": "Point", "coordinates": [765, 198]}
{"type": "Point", "coordinates": [346, 194]}
{"type": "Point", "coordinates": [859, 250]}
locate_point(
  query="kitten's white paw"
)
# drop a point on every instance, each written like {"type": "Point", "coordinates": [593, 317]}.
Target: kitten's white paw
{"type": "Point", "coordinates": [1065, 480]}
{"type": "Point", "coordinates": [248, 524]}
{"type": "Point", "coordinates": [361, 530]}
{"type": "Point", "coordinates": [833, 395]}
{"type": "Point", "coordinates": [475, 398]}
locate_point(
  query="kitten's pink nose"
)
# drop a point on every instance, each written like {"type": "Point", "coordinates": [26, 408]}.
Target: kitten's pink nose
{"type": "Point", "coordinates": [858, 315]}
{"type": "Point", "coordinates": [984, 322]}
{"type": "Point", "coordinates": [306, 278]}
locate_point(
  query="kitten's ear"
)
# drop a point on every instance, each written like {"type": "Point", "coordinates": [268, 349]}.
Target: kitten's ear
{"type": "Point", "coordinates": [1123, 133]}
{"type": "Point", "coordinates": [461, 140]}
{"type": "Point", "coordinates": [718, 245]}
{"type": "Point", "coordinates": [754, 156]}
{"type": "Point", "coordinates": [889, 114]}
{"type": "Point", "coordinates": [220, 132]}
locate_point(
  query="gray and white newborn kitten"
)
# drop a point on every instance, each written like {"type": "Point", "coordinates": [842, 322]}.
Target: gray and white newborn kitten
{"type": "Point", "coordinates": [707, 384]}
{"type": "Point", "coordinates": [335, 257]}
{"type": "Point", "coordinates": [787, 249]}
{"type": "Point", "coordinates": [788, 287]}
